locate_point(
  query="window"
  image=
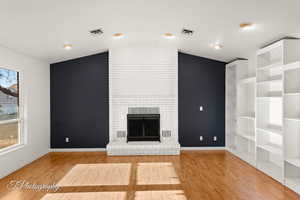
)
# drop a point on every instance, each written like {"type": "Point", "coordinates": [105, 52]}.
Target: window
{"type": "Point", "coordinates": [9, 109]}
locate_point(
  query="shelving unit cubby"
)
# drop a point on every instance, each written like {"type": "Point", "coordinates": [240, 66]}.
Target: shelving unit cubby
{"type": "Point", "coordinates": [292, 80]}
{"type": "Point", "coordinates": [292, 106]}
{"type": "Point", "coordinates": [270, 56]}
{"type": "Point", "coordinates": [292, 177]}
{"type": "Point", "coordinates": [265, 109]}
{"type": "Point", "coordinates": [292, 142]}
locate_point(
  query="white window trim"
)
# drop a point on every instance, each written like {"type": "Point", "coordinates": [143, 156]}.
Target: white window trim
{"type": "Point", "coordinates": [9, 121]}
{"type": "Point", "coordinates": [22, 131]}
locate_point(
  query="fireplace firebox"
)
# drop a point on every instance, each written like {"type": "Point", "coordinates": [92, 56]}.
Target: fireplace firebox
{"type": "Point", "coordinates": [143, 127]}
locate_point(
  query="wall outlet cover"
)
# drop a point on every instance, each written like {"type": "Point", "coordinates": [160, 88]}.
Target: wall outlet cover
{"type": "Point", "coordinates": [201, 108]}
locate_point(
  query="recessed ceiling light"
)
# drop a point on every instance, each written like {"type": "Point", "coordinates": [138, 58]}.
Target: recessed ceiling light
{"type": "Point", "coordinates": [169, 35]}
{"type": "Point", "coordinates": [216, 46]}
{"type": "Point", "coordinates": [67, 46]}
{"type": "Point", "coordinates": [247, 26]}
{"type": "Point", "coordinates": [118, 35]}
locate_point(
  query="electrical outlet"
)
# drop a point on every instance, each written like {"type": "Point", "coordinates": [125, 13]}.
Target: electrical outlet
{"type": "Point", "coordinates": [215, 138]}
{"type": "Point", "coordinates": [201, 138]}
{"type": "Point", "coordinates": [67, 139]}
{"type": "Point", "coordinates": [201, 108]}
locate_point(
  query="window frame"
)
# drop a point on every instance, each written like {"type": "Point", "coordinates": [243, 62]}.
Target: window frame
{"type": "Point", "coordinates": [22, 136]}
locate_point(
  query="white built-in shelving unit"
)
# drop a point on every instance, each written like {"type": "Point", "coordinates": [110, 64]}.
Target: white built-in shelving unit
{"type": "Point", "coordinates": [242, 134]}
{"type": "Point", "coordinates": [267, 112]}
{"type": "Point", "coordinates": [230, 101]}
{"type": "Point", "coordinates": [269, 103]}
{"type": "Point", "coordinates": [292, 125]}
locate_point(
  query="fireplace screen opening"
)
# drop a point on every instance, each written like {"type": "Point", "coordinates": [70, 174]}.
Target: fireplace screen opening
{"type": "Point", "coordinates": [143, 127]}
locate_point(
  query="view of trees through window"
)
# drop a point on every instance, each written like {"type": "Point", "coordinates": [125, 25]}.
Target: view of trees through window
{"type": "Point", "coordinates": [9, 108]}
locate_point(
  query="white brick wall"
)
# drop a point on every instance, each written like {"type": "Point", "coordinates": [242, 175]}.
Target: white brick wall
{"type": "Point", "coordinates": [143, 77]}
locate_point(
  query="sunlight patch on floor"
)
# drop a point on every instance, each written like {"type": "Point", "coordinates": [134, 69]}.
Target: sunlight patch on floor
{"type": "Point", "coordinates": [14, 194]}
{"type": "Point", "coordinates": [156, 174]}
{"type": "Point", "coordinates": [97, 175]}
{"type": "Point", "coordinates": [86, 196]}
{"type": "Point", "coordinates": [160, 195]}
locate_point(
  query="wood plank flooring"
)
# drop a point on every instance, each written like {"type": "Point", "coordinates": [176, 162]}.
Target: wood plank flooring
{"type": "Point", "coordinates": [194, 175]}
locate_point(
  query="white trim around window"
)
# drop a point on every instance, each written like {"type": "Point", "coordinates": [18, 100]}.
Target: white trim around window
{"type": "Point", "coordinates": [22, 134]}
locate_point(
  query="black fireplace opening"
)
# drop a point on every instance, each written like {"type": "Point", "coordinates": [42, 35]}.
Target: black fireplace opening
{"type": "Point", "coordinates": [143, 127]}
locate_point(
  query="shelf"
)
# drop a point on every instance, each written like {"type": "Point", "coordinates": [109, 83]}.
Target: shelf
{"type": "Point", "coordinates": [269, 81]}
{"type": "Point", "coordinates": [272, 79]}
{"type": "Point", "coordinates": [247, 80]}
{"type": "Point", "coordinates": [246, 117]}
{"type": "Point", "coordinates": [271, 66]}
{"type": "Point", "coordinates": [277, 131]}
{"type": "Point", "coordinates": [272, 148]}
{"type": "Point", "coordinates": [292, 66]}
{"type": "Point", "coordinates": [294, 161]}
{"type": "Point", "coordinates": [270, 96]}
{"type": "Point", "coordinates": [292, 119]}
{"type": "Point", "coordinates": [246, 136]}
{"type": "Point", "coordinates": [292, 93]}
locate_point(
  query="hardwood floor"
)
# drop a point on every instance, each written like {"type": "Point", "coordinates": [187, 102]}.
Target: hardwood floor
{"type": "Point", "coordinates": [194, 175]}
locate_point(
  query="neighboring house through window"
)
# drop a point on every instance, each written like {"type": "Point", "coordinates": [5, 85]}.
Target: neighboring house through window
{"type": "Point", "coordinates": [9, 109]}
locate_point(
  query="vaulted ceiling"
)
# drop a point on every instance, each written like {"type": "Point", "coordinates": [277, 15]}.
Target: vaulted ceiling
{"type": "Point", "coordinates": [40, 28]}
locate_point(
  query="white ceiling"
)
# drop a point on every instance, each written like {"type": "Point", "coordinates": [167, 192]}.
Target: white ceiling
{"type": "Point", "coordinates": [39, 28]}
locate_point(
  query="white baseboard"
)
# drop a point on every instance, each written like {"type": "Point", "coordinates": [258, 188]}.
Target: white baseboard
{"type": "Point", "coordinates": [78, 150]}
{"type": "Point", "coordinates": [203, 148]}
{"type": "Point", "coordinates": [104, 149]}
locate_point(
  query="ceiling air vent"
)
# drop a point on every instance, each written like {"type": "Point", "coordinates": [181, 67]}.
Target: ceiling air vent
{"type": "Point", "coordinates": [96, 32]}
{"type": "Point", "coordinates": [187, 32]}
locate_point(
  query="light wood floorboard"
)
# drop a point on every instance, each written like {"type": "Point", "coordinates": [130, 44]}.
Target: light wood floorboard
{"type": "Point", "coordinates": [194, 175]}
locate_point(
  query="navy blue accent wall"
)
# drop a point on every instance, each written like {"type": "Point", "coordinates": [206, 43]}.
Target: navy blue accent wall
{"type": "Point", "coordinates": [201, 83]}
{"type": "Point", "coordinates": [79, 102]}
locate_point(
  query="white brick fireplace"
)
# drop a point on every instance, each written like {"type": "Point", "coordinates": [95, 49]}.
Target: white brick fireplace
{"type": "Point", "coordinates": [143, 77]}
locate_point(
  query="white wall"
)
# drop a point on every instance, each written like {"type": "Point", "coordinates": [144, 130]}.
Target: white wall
{"type": "Point", "coordinates": [35, 80]}
{"type": "Point", "coordinates": [143, 76]}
